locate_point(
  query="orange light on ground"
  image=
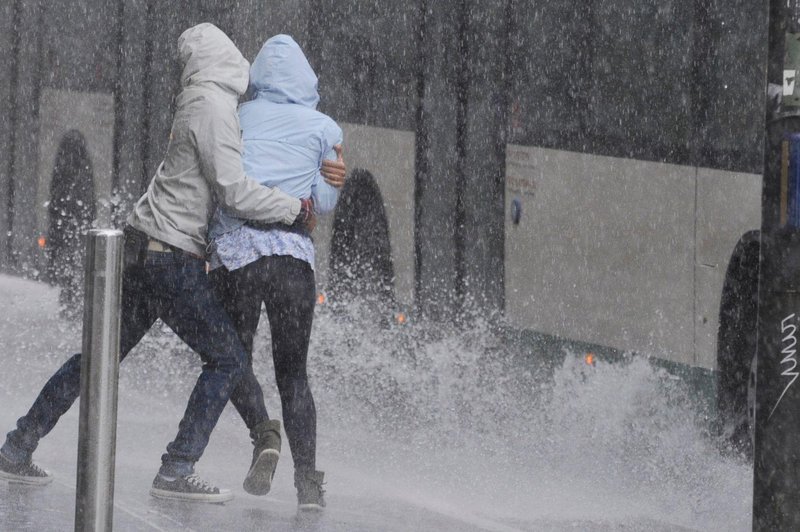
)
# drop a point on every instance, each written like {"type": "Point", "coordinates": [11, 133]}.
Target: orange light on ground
{"type": "Point", "coordinates": [42, 241]}
{"type": "Point", "coordinates": [400, 318]}
{"type": "Point", "coordinates": [320, 298]}
{"type": "Point", "coordinates": [589, 358]}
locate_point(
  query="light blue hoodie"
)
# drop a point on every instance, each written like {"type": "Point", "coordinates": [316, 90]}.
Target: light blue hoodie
{"type": "Point", "coordinates": [285, 137]}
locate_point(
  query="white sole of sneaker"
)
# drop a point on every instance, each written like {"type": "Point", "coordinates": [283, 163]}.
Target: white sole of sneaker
{"type": "Point", "coordinates": [310, 507]}
{"type": "Point", "coordinates": [259, 479]}
{"type": "Point", "coordinates": [222, 496]}
{"type": "Point", "coordinates": [28, 481]}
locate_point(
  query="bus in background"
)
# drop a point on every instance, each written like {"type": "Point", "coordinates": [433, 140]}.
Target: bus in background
{"type": "Point", "coordinates": [622, 143]}
{"type": "Point", "coordinates": [589, 171]}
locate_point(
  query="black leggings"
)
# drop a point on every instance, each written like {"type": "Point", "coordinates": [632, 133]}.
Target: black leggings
{"type": "Point", "coordinates": [286, 287]}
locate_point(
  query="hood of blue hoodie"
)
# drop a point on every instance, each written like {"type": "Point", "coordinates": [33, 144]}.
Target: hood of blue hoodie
{"type": "Point", "coordinates": [281, 73]}
{"type": "Point", "coordinates": [209, 56]}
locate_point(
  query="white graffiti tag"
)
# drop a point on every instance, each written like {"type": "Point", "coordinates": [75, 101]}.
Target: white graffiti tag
{"type": "Point", "coordinates": [789, 353]}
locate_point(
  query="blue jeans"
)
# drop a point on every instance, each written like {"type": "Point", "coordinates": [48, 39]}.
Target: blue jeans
{"type": "Point", "coordinates": [172, 286]}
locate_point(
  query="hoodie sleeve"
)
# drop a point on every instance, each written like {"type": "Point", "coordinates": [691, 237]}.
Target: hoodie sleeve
{"type": "Point", "coordinates": [219, 151]}
{"type": "Point", "coordinates": [326, 196]}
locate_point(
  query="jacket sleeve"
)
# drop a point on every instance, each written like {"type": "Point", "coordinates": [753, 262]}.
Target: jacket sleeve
{"type": "Point", "coordinates": [325, 196]}
{"type": "Point", "coordinates": [219, 151]}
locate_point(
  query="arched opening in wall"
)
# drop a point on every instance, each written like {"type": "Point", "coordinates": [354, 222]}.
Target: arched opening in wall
{"type": "Point", "coordinates": [361, 264]}
{"type": "Point", "coordinates": [71, 211]}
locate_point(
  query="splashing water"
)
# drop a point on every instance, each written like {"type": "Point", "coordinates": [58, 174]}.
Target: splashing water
{"type": "Point", "coordinates": [466, 418]}
{"type": "Point", "coordinates": [459, 420]}
{"type": "Point", "coordinates": [464, 421]}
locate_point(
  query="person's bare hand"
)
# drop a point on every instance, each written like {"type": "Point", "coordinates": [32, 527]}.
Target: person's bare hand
{"type": "Point", "coordinates": [334, 172]}
{"type": "Point", "coordinates": [311, 223]}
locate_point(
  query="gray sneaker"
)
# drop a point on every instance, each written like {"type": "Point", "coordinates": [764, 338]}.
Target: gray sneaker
{"type": "Point", "coordinates": [23, 472]}
{"type": "Point", "coordinates": [310, 495]}
{"type": "Point", "coordinates": [189, 488]}
{"type": "Point", "coordinates": [267, 449]}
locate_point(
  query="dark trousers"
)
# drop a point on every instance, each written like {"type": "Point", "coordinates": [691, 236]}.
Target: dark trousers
{"type": "Point", "coordinates": [286, 287]}
{"type": "Point", "coordinates": [172, 286]}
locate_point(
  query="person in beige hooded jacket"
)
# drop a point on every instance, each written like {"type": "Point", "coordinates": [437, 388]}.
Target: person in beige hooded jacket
{"type": "Point", "coordinates": [164, 274]}
{"type": "Point", "coordinates": [203, 163]}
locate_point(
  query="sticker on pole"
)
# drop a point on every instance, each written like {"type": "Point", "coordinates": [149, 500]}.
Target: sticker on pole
{"type": "Point", "coordinates": [789, 353]}
{"type": "Point", "coordinates": [789, 78]}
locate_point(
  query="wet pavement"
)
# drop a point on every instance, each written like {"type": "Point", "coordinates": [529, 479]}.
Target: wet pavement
{"type": "Point", "coordinates": [371, 484]}
{"type": "Point", "coordinates": [36, 339]}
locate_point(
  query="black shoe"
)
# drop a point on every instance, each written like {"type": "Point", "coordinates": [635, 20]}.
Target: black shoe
{"type": "Point", "coordinates": [188, 488]}
{"type": "Point", "coordinates": [23, 473]}
{"type": "Point", "coordinates": [310, 495]}
{"type": "Point", "coordinates": [267, 441]}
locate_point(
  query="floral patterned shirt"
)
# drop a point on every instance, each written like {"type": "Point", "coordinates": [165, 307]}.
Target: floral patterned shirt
{"type": "Point", "coordinates": [248, 244]}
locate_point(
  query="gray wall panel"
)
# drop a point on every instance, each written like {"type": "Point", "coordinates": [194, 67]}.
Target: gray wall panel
{"type": "Point", "coordinates": [162, 81]}
{"type": "Point", "coordinates": [734, 79]}
{"type": "Point", "coordinates": [640, 77]}
{"type": "Point", "coordinates": [437, 163]}
{"type": "Point", "coordinates": [483, 158]}
{"type": "Point", "coordinates": [26, 102]}
{"type": "Point", "coordinates": [131, 107]}
{"type": "Point", "coordinates": [367, 58]}
{"type": "Point", "coordinates": [7, 60]}
{"type": "Point", "coordinates": [252, 23]}
{"type": "Point", "coordinates": [79, 45]}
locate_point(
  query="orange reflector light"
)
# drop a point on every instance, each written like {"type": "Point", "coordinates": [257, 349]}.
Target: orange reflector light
{"type": "Point", "coordinates": [320, 298]}
{"type": "Point", "coordinates": [589, 358]}
{"type": "Point", "coordinates": [400, 318]}
{"type": "Point", "coordinates": [42, 241]}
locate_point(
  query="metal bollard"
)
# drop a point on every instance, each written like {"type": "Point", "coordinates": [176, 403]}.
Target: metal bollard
{"type": "Point", "coordinates": [94, 499]}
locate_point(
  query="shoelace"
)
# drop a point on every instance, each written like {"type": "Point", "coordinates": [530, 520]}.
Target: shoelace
{"type": "Point", "coordinates": [36, 471]}
{"type": "Point", "coordinates": [199, 483]}
{"type": "Point", "coordinates": [319, 486]}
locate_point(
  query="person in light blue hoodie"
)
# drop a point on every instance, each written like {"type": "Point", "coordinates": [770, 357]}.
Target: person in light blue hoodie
{"type": "Point", "coordinates": [285, 142]}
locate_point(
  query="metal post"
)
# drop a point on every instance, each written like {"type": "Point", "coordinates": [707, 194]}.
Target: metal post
{"type": "Point", "coordinates": [94, 501]}
{"type": "Point", "coordinates": [776, 479]}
